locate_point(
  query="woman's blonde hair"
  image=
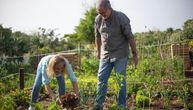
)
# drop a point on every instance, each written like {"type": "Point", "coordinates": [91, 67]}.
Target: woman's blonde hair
{"type": "Point", "coordinates": [54, 60]}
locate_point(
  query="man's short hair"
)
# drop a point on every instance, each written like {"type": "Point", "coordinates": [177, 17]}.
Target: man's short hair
{"type": "Point", "coordinates": [103, 4]}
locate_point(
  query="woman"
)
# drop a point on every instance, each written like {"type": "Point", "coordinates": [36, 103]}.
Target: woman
{"type": "Point", "coordinates": [53, 66]}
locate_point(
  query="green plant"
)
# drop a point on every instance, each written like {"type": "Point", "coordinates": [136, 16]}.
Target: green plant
{"type": "Point", "coordinates": [11, 67]}
{"type": "Point", "coordinates": [134, 78]}
{"type": "Point", "coordinates": [83, 96]}
{"type": "Point", "coordinates": [3, 72]}
{"type": "Point", "coordinates": [178, 69]}
{"type": "Point", "coordinates": [53, 84]}
{"type": "Point", "coordinates": [141, 99]}
{"type": "Point", "coordinates": [89, 66]}
{"type": "Point", "coordinates": [165, 95]}
{"type": "Point", "coordinates": [21, 97]}
{"type": "Point", "coordinates": [29, 79]}
{"type": "Point", "coordinates": [118, 79]}
{"type": "Point", "coordinates": [53, 106]}
{"type": "Point", "coordinates": [2, 89]}
{"type": "Point", "coordinates": [39, 106]}
{"type": "Point", "coordinates": [184, 94]}
{"type": "Point", "coordinates": [115, 107]}
{"type": "Point", "coordinates": [190, 106]}
{"type": "Point", "coordinates": [6, 103]}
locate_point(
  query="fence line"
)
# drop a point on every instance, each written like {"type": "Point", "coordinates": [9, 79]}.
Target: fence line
{"type": "Point", "coordinates": [15, 75]}
{"type": "Point", "coordinates": [77, 50]}
{"type": "Point", "coordinates": [9, 76]}
{"type": "Point", "coordinates": [38, 54]}
{"type": "Point", "coordinates": [68, 51]}
{"type": "Point", "coordinates": [136, 82]}
{"type": "Point", "coordinates": [30, 74]}
{"type": "Point", "coordinates": [165, 44]}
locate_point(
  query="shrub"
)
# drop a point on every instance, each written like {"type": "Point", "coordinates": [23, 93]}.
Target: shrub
{"type": "Point", "coordinates": [6, 103]}
{"type": "Point", "coordinates": [190, 106]}
{"type": "Point", "coordinates": [115, 107]}
{"type": "Point", "coordinates": [21, 97]}
{"type": "Point", "coordinates": [141, 99]}
{"type": "Point", "coordinates": [3, 72]}
{"type": "Point", "coordinates": [53, 106]}
{"type": "Point", "coordinates": [39, 106]}
{"type": "Point", "coordinates": [90, 66]}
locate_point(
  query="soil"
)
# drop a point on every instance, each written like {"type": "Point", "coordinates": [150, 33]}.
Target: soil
{"type": "Point", "coordinates": [156, 104]}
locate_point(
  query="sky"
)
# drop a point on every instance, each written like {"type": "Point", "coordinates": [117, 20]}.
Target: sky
{"type": "Point", "coordinates": [63, 15]}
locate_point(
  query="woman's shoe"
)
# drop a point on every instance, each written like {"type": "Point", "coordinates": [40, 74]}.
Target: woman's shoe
{"type": "Point", "coordinates": [31, 108]}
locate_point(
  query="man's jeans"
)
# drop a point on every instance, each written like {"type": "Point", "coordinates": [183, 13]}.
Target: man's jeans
{"type": "Point", "coordinates": [105, 69]}
{"type": "Point", "coordinates": [38, 83]}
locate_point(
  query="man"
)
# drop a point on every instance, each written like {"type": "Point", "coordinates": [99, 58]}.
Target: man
{"type": "Point", "coordinates": [112, 37]}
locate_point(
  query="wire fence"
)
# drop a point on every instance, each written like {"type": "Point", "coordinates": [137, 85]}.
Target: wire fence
{"type": "Point", "coordinates": [91, 50]}
{"type": "Point", "coordinates": [162, 51]}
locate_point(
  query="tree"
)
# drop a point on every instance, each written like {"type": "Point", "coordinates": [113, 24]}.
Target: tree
{"type": "Point", "coordinates": [71, 40]}
{"type": "Point", "coordinates": [169, 31]}
{"type": "Point", "coordinates": [6, 41]}
{"type": "Point", "coordinates": [188, 29]}
{"type": "Point", "coordinates": [44, 41]}
{"type": "Point", "coordinates": [85, 30]}
{"type": "Point", "coordinates": [21, 43]}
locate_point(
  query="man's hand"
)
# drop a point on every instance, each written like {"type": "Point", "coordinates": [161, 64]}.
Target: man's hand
{"type": "Point", "coordinates": [135, 59]}
{"type": "Point", "coordinates": [98, 55]}
{"type": "Point", "coordinates": [98, 46]}
{"type": "Point", "coordinates": [134, 50]}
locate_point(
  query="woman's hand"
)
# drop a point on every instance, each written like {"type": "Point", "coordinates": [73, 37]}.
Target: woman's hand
{"type": "Point", "coordinates": [50, 92]}
{"type": "Point", "coordinates": [53, 97]}
{"type": "Point", "coordinates": [76, 95]}
{"type": "Point", "coordinates": [75, 87]}
{"type": "Point", "coordinates": [58, 101]}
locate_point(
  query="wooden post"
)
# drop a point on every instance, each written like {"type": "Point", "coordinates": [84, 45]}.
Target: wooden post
{"type": "Point", "coordinates": [79, 56]}
{"type": "Point", "coordinates": [38, 59]}
{"type": "Point", "coordinates": [21, 78]}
